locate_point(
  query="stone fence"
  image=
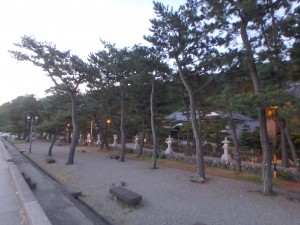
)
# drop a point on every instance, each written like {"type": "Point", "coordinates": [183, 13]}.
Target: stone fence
{"type": "Point", "coordinates": [249, 167]}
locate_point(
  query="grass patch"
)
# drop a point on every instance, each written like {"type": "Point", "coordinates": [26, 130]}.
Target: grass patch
{"type": "Point", "coordinates": [15, 142]}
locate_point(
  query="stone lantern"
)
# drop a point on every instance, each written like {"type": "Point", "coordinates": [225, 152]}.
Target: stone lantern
{"type": "Point", "coordinates": [225, 156]}
{"type": "Point", "coordinates": [136, 142]}
{"type": "Point", "coordinates": [115, 136]}
{"type": "Point", "coordinates": [169, 142]}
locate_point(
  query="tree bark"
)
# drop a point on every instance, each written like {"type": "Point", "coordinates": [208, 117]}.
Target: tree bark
{"type": "Point", "coordinates": [196, 130]}
{"type": "Point", "coordinates": [104, 142]}
{"type": "Point", "coordinates": [267, 156]}
{"type": "Point", "coordinates": [52, 144]}
{"type": "Point", "coordinates": [141, 143]}
{"type": "Point", "coordinates": [122, 130]}
{"type": "Point", "coordinates": [188, 147]}
{"type": "Point", "coordinates": [236, 144]}
{"type": "Point", "coordinates": [284, 155]}
{"type": "Point", "coordinates": [154, 154]}
{"type": "Point", "coordinates": [75, 130]}
{"type": "Point", "coordinates": [294, 152]}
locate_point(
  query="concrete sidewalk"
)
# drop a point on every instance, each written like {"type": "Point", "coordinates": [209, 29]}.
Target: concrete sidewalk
{"type": "Point", "coordinates": [168, 195]}
{"type": "Point", "coordinates": [53, 198]}
{"type": "Point", "coordinates": [17, 203]}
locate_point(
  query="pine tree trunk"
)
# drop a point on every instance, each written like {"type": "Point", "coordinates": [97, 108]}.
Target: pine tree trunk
{"type": "Point", "coordinates": [196, 130]}
{"type": "Point", "coordinates": [154, 154]}
{"type": "Point", "coordinates": [236, 144]}
{"type": "Point", "coordinates": [293, 150]}
{"type": "Point", "coordinates": [267, 156]}
{"type": "Point", "coordinates": [284, 155]}
{"type": "Point", "coordinates": [75, 130]}
{"type": "Point", "coordinates": [52, 144]}
{"type": "Point", "coordinates": [105, 142]}
{"type": "Point", "coordinates": [141, 143]}
{"type": "Point", "coordinates": [122, 149]}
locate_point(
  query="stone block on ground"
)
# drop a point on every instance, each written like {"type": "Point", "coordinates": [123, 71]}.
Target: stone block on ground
{"type": "Point", "coordinates": [126, 195]}
{"type": "Point", "coordinates": [50, 160]}
{"type": "Point", "coordinates": [114, 156]}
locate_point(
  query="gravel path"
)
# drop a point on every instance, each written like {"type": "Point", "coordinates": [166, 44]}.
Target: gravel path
{"type": "Point", "coordinates": [169, 198]}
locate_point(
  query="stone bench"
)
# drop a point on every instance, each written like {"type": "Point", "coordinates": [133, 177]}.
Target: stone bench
{"type": "Point", "coordinates": [49, 160]}
{"type": "Point", "coordinates": [114, 156]}
{"type": "Point", "coordinates": [127, 196]}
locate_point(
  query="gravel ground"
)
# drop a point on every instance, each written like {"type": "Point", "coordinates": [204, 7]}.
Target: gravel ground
{"type": "Point", "coordinates": [169, 198]}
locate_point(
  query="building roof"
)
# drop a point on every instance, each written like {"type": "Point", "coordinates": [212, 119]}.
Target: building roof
{"type": "Point", "coordinates": [181, 116]}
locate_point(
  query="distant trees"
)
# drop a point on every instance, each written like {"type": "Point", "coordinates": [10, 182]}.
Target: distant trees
{"type": "Point", "coordinates": [111, 68]}
{"type": "Point", "coordinates": [13, 115]}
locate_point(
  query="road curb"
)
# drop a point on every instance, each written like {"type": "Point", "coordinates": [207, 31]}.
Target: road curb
{"type": "Point", "coordinates": [34, 212]}
{"type": "Point", "coordinates": [65, 188]}
{"type": "Point", "coordinates": [7, 156]}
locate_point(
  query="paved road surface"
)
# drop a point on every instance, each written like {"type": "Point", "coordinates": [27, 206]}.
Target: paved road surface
{"type": "Point", "coordinates": [58, 205]}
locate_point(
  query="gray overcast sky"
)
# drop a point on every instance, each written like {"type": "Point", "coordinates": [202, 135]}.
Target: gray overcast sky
{"type": "Point", "coordinates": [76, 25]}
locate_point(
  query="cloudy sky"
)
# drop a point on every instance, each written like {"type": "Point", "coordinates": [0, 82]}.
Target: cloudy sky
{"type": "Point", "coordinates": [75, 25]}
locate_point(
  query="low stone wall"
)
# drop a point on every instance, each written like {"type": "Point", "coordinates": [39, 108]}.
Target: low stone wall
{"type": "Point", "coordinates": [287, 173]}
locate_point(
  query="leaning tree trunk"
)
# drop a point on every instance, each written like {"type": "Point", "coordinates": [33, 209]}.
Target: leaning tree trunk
{"type": "Point", "coordinates": [52, 144]}
{"type": "Point", "coordinates": [236, 143]}
{"type": "Point", "coordinates": [75, 130]}
{"type": "Point", "coordinates": [154, 154]}
{"type": "Point", "coordinates": [284, 154]}
{"type": "Point", "coordinates": [283, 141]}
{"type": "Point", "coordinates": [294, 152]}
{"type": "Point", "coordinates": [267, 156]}
{"type": "Point", "coordinates": [122, 130]}
{"type": "Point", "coordinates": [196, 129]}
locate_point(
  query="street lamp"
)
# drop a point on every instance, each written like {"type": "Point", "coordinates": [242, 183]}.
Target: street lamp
{"type": "Point", "coordinates": [31, 120]}
{"type": "Point", "coordinates": [108, 121]}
